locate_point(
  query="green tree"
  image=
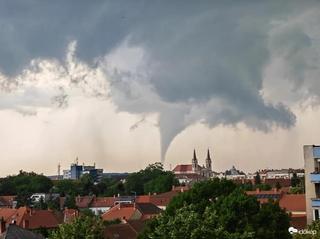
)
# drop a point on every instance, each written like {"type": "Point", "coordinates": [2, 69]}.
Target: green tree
{"type": "Point", "coordinates": [83, 227]}
{"type": "Point", "coordinates": [86, 184]}
{"type": "Point", "coordinates": [162, 183]}
{"type": "Point", "coordinates": [314, 228]}
{"type": "Point", "coordinates": [247, 186]}
{"type": "Point", "coordinates": [202, 194]}
{"type": "Point", "coordinates": [218, 209]}
{"type": "Point", "coordinates": [296, 190]}
{"type": "Point", "coordinates": [257, 179]}
{"type": "Point", "coordinates": [24, 185]}
{"type": "Point", "coordinates": [152, 179]}
{"type": "Point", "coordinates": [295, 181]}
{"type": "Point", "coordinates": [70, 202]}
{"type": "Point", "coordinates": [263, 186]}
{"type": "Point", "coordinates": [66, 187]}
{"type": "Point", "coordinates": [54, 203]}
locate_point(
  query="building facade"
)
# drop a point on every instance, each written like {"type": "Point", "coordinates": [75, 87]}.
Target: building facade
{"type": "Point", "coordinates": [312, 181]}
{"type": "Point", "coordinates": [76, 171]}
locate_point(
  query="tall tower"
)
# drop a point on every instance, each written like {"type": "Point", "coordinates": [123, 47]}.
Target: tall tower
{"type": "Point", "coordinates": [59, 170]}
{"type": "Point", "coordinates": [208, 161]}
{"type": "Point", "coordinates": [194, 162]}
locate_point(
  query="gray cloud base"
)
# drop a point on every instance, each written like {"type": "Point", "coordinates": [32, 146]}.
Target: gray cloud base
{"type": "Point", "coordinates": [205, 60]}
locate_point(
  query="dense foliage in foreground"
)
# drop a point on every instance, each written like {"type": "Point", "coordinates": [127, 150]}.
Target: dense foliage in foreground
{"type": "Point", "coordinates": [218, 209]}
{"type": "Point", "coordinates": [81, 228]}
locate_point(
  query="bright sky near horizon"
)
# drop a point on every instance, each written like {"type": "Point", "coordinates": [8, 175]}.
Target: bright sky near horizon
{"type": "Point", "coordinates": [128, 83]}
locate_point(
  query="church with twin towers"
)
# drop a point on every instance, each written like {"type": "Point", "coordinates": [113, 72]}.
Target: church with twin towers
{"type": "Point", "coordinates": [194, 170]}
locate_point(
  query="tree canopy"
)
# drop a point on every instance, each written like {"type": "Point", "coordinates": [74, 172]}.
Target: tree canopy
{"type": "Point", "coordinates": [218, 209]}
{"type": "Point", "coordinates": [152, 179]}
{"type": "Point", "coordinates": [84, 227]}
{"type": "Point", "coordinates": [24, 185]}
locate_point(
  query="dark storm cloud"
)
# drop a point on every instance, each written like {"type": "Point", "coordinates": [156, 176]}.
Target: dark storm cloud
{"type": "Point", "coordinates": [205, 59]}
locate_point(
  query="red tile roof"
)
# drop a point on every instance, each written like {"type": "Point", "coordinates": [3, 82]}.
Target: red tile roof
{"type": "Point", "coordinates": [132, 211]}
{"type": "Point", "coordinates": [160, 200]}
{"type": "Point", "coordinates": [284, 182]}
{"type": "Point", "coordinates": [128, 230]}
{"type": "Point", "coordinates": [120, 231]}
{"type": "Point", "coordinates": [299, 222]}
{"type": "Point", "coordinates": [103, 202]}
{"type": "Point", "coordinates": [293, 202]}
{"type": "Point", "coordinates": [37, 218]}
{"type": "Point", "coordinates": [29, 218]}
{"type": "Point", "coordinates": [7, 214]}
{"type": "Point", "coordinates": [120, 211]}
{"type": "Point", "coordinates": [183, 168]}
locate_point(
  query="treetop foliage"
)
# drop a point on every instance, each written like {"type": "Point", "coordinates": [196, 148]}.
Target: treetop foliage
{"type": "Point", "coordinates": [218, 209]}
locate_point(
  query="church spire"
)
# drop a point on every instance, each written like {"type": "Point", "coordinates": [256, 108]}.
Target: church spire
{"type": "Point", "coordinates": [208, 161]}
{"type": "Point", "coordinates": [194, 162]}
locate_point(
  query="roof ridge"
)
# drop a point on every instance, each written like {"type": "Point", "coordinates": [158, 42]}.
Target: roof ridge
{"type": "Point", "coordinates": [132, 228]}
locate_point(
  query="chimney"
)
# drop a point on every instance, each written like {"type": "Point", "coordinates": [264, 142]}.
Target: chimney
{"type": "Point", "coordinates": [182, 190]}
{"type": "Point", "coordinates": [25, 224]}
{"type": "Point", "coordinates": [275, 190]}
{"type": "Point", "coordinates": [2, 226]}
{"type": "Point", "coordinates": [257, 190]}
{"type": "Point", "coordinates": [173, 187]}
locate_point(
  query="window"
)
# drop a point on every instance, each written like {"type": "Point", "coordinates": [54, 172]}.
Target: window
{"type": "Point", "coordinates": [316, 214]}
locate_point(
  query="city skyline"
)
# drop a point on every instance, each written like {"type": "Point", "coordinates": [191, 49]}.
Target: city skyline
{"type": "Point", "coordinates": [125, 84]}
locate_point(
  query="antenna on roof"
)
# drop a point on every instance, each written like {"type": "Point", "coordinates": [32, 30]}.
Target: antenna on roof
{"type": "Point", "coordinates": [59, 169]}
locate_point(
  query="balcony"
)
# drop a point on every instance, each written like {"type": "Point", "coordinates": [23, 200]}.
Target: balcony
{"type": "Point", "coordinates": [315, 177]}
{"type": "Point", "coordinates": [315, 202]}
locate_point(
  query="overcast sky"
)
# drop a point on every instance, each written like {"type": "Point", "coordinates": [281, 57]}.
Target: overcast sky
{"type": "Point", "coordinates": [128, 83]}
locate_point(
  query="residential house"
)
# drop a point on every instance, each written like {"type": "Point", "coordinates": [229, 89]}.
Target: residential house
{"type": "Point", "coordinates": [28, 218]}
{"type": "Point", "coordinates": [127, 230]}
{"type": "Point", "coordinates": [132, 211]}
{"type": "Point", "coordinates": [13, 231]}
{"type": "Point", "coordinates": [100, 205]}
